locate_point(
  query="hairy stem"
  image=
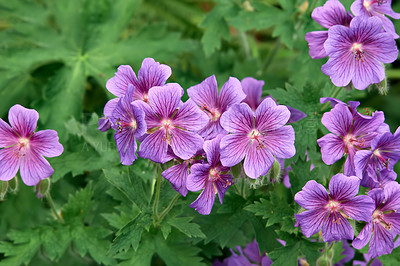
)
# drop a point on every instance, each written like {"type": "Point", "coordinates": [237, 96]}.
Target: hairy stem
{"type": "Point", "coordinates": [53, 207]}
{"type": "Point", "coordinates": [169, 207]}
{"type": "Point", "coordinates": [157, 196]}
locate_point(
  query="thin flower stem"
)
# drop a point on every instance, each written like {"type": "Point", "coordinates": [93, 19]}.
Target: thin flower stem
{"type": "Point", "coordinates": [243, 188]}
{"type": "Point", "coordinates": [53, 207]}
{"type": "Point", "coordinates": [245, 43]}
{"type": "Point", "coordinates": [169, 207]}
{"type": "Point", "coordinates": [272, 55]}
{"type": "Point", "coordinates": [157, 196]}
{"type": "Point", "coordinates": [370, 262]}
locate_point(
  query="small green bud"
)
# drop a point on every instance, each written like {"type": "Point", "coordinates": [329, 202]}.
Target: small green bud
{"type": "Point", "coordinates": [13, 184]}
{"type": "Point", "coordinates": [323, 261]}
{"type": "Point", "coordinates": [42, 188]}
{"type": "Point", "coordinates": [275, 172]}
{"type": "Point", "coordinates": [3, 189]}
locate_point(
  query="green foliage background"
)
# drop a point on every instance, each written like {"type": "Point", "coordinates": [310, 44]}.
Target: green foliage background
{"type": "Point", "coordinates": [56, 57]}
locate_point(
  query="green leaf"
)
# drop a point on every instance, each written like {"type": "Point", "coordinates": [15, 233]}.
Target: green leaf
{"type": "Point", "coordinates": [55, 241]}
{"type": "Point", "coordinates": [26, 244]}
{"type": "Point", "coordinates": [129, 184]}
{"type": "Point", "coordinates": [184, 225]}
{"type": "Point", "coordinates": [131, 233]}
{"type": "Point", "coordinates": [301, 174]}
{"type": "Point", "coordinates": [392, 258]}
{"type": "Point", "coordinates": [78, 205]}
{"type": "Point", "coordinates": [285, 255]}
{"type": "Point", "coordinates": [89, 240]}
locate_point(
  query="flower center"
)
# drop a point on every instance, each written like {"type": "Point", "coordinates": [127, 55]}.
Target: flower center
{"type": "Point", "coordinates": [351, 141]}
{"type": "Point", "coordinates": [214, 174]}
{"type": "Point", "coordinates": [377, 217]}
{"type": "Point", "coordinates": [357, 51]}
{"type": "Point", "coordinates": [167, 125]}
{"type": "Point", "coordinates": [334, 208]}
{"type": "Point", "coordinates": [381, 159]}
{"type": "Point", "coordinates": [256, 136]}
{"type": "Point", "coordinates": [214, 114]}
{"type": "Point", "coordinates": [121, 124]}
{"type": "Point", "coordinates": [23, 145]}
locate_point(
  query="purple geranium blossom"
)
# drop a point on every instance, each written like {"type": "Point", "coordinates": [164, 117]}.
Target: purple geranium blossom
{"type": "Point", "coordinates": [250, 256]}
{"type": "Point", "coordinates": [24, 149]}
{"type": "Point", "coordinates": [212, 177]}
{"type": "Point", "coordinates": [378, 8]}
{"type": "Point", "coordinates": [384, 154]}
{"type": "Point", "coordinates": [206, 96]}
{"type": "Point", "coordinates": [177, 174]}
{"type": "Point", "coordinates": [332, 13]}
{"type": "Point", "coordinates": [129, 123]}
{"type": "Point", "coordinates": [356, 54]}
{"type": "Point", "coordinates": [253, 90]}
{"type": "Point", "coordinates": [258, 136]}
{"type": "Point", "coordinates": [168, 126]}
{"type": "Point", "coordinates": [377, 179]}
{"type": "Point", "coordinates": [331, 211]}
{"type": "Point", "coordinates": [151, 74]}
{"type": "Point", "coordinates": [350, 133]}
{"type": "Point", "coordinates": [385, 223]}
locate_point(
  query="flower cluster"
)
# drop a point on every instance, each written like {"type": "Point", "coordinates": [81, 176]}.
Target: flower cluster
{"type": "Point", "coordinates": [23, 148]}
{"type": "Point", "coordinates": [206, 135]}
{"type": "Point", "coordinates": [356, 45]}
{"type": "Point", "coordinates": [371, 151]}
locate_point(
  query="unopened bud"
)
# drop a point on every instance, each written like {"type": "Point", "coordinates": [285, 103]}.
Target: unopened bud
{"type": "Point", "coordinates": [275, 172]}
{"type": "Point", "coordinates": [13, 184]}
{"type": "Point", "coordinates": [323, 261]}
{"type": "Point", "coordinates": [383, 87]}
{"type": "Point", "coordinates": [42, 188]}
{"type": "Point", "coordinates": [3, 189]}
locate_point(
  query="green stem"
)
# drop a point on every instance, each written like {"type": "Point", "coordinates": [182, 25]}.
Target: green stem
{"type": "Point", "coordinates": [245, 43]}
{"type": "Point", "coordinates": [157, 196]}
{"type": "Point", "coordinates": [370, 262]}
{"type": "Point", "coordinates": [243, 188]}
{"type": "Point", "coordinates": [334, 94]}
{"type": "Point", "coordinates": [169, 207]}
{"type": "Point", "coordinates": [272, 55]}
{"type": "Point", "coordinates": [53, 207]}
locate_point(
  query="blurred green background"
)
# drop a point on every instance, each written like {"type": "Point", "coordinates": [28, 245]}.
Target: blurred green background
{"type": "Point", "coordinates": [56, 56]}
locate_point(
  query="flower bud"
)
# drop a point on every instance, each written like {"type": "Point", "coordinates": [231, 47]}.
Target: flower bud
{"type": "Point", "coordinates": [42, 188]}
{"type": "Point", "coordinates": [3, 189]}
{"type": "Point", "coordinates": [13, 184]}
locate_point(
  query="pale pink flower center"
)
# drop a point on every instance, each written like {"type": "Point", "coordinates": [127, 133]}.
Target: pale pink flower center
{"type": "Point", "coordinates": [377, 217]}
{"type": "Point", "coordinates": [214, 114]}
{"type": "Point", "coordinates": [256, 136]}
{"type": "Point", "coordinates": [23, 144]}
{"type": "Point", "coordinates": [335, 208]}
{"type": "Point", "coordinates": [167, 125]}
{"type": "Point", "coordinates": [357, 51]}
{"type": "Point", "coordinates": [351, 141]}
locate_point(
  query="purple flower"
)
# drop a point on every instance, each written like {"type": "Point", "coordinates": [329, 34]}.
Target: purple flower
{"type": "Point", "coordinates": [24, 149]}
{"type": "Point", "coordinates": [331, 211]}
{"type": "Point", "coordinates": [384, 154]}
{"type": "Point", "coordinates": [356, 54]}
{"type": "Point", "coordinates": [212, 177]}
{"type": "Point", "coordinates": [385, 223]}
{"type": "Point", "coordinates": [168, 126]}
{"type": "Point", "coordinates": [377, 179]}
{"type": "Point", "coordinates": [129, 123]}
{"type": "Point", "coordinates": [351, 132]}
{"type": "Point", "coordinates": [258, 136]}
{"type": "Point", "coordinates": [377, 8]}
{"type": "Point", "coordinates": [250, 256]}
{"type": "Point", "coordinates": [366, 262]}
{"type": "Point", "coordinates": [150, 74]}
{"type": "Point", "coordinates": [206, 96]}
{"type": "Point", "coordinates": [177, 174]}
{"type": "Point", "coordinates": [253, 90]}
{"type": "Point", "coordinates": [332, 13]}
